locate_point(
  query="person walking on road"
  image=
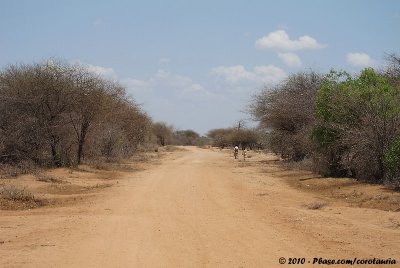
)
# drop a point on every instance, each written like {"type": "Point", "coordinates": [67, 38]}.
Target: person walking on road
{"type": "Point", "coordinates": [236, 151]}
{"type": "Point", "coordinates": [244, 153]}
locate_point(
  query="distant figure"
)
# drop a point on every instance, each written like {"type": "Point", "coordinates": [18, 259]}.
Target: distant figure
{"type": "Point", "coordinates": [236, 151]}
{"type": "Point", "coordinates": [244, 153]}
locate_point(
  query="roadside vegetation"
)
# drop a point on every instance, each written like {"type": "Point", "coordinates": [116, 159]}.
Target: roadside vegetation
{"type": "Point", "coordinates": [56, 114]}
{"type": "Point", "coordinates": [236, 136]}
{"type": "Point", "coordinates": [165, 134]}
{"type": "Point", "coordinates": [344, 124]}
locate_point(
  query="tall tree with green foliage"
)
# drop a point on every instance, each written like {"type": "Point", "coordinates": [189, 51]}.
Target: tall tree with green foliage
{"type": "Point", "coordinates": [358, 119]}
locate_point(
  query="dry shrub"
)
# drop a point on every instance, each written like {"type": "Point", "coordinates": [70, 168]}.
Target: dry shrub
{"type": "Point", "coordinates": [170, 148]}
{"type": "Point", "coordinates": [15, 193]}
{"type": "Point", "coordinates": [315, 205]}
{"type": "Point", "coordinates": [207, 146]}
{"type": "Point", "coordinates": [12, 171]}
{"type": "Point", "coordinates": [145, 157]}
{"type": "Point", "coordinates": [101, 166]}
{"type": "Point", "coordinates": [147, 147]}
{"type": "Point", "coordinates": [305, 164]}
{"type": "Point", "coordinates": [56, 114]}
{"type": "Point", "coordinates": [47, 178]}
{"type": "Point", "coordinates": [287, 113]}
{"type": "Point", "coordinates": [103, 163]}
{"type": "Point", "coordinates": [99, 186]}
{"type": "Point", "coordinates": [244, 164]}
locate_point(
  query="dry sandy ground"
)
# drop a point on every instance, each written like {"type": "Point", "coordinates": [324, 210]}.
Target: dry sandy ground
{"type": "Point", "coordinates": [199, 208]}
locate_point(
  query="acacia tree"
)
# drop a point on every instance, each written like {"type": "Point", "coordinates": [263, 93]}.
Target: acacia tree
{"type": "Point", "coordinates": [163, 132]}
{"type": "Point", "coordinates": [286, 113]}
{"type": "Point", "coordinates": [88, 106]}
{"type": "Point", "coordinates": [186, 137]}
{"type": "Point", "coordinates": [134, 126]}
{"type": "Point", "coordinates": [219, 136]}
{"type": "Point", "coordinates": [119, 124]}
{"type": "Point", "coordinates": [392, 154]}
{"type": "Point", "coordinates": [50, 111]}
{"type": "Point", "coordinates": [40, 95]}
{"type": "Point", "coordinates": [244, 137]}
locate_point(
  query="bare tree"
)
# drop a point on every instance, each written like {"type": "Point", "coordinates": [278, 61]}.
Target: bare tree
{"type": "Point", "coordinates": [89, 106]}
{"type": "Point", "coordinates": [186, 137]}
{"type": "Point", "coordinates": [163, 132]}
{"type": "Point", "coordinates": [52, 111]}
{"type": "Point", "coordinates": [287, 112]}
{"type": "Point", "coordinates": [220, 137]}
{"type": "Point", "coordinates": [40, 94]}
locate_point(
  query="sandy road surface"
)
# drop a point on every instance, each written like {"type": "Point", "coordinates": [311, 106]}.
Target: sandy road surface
{"type": "Point", "coordinates": [198, 208]}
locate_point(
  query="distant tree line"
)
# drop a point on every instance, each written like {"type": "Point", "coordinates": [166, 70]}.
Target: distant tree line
{"type": "Point", "coordinates": [57, 114]}
{"type": "Point", "coordinates": [349, 125]}
{"type": "Point", "coordinates": [165, 134]}
{"type": "Point", "coordinates": [235, 136]}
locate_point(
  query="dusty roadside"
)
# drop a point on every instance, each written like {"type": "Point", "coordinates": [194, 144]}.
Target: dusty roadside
{"type": "Point", "coordinates": [67, 186]}
{"type": "Point", "coordinates": [198, 208]}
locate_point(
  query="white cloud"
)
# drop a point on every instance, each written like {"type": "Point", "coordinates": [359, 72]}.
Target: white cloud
{"type": "Point", "coordinates": [161, 74]}
{"type": "Point", "coordinates": [233, 74]}
{"type": "Point", "coordinates": [164, 60]}
{"type": "Point", "coordinates": [102, 71]}
{"type": "Point", "coordinates": [269, 74]}
{"type": "Point", "coordinates": [166, 78]}
{"type": "Point", "coordinates": [283, 27]}
{"type": "Point", "coordinates": [290, 59]}
{"type": "Point", "coordinates": [360, 59]}
{"type": "Point", "coordinates": [162, 84]}
{"type": "Point", "coordinates": [197, 91]}
{"type": "Point", "coordinates": [168, 86]}
{"type": "Point", "coordinates": [136, 83]}
{"type": "Point", "coordinates": [98, 23]}
{"type": "Point", "coordinates": [247, 34]}
{"type": "Point", "coordinates": [261, 74]}
{"type": "Point", "coordinates": [280, 40]}
{"type": "Point", "coordinates": [196, 87]}
{"type": "Point", "coordinates": [105, 72]}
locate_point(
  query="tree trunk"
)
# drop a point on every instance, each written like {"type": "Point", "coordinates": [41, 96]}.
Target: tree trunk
{"type": "Point", "coordinates": [81, 142]}
{"type": "Point", "coordinates": [55, 156]}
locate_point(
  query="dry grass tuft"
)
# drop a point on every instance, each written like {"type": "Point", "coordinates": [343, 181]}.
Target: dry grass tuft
{"type": "Point", "coordinates": [171, 148]}
{"type": "Point", "coordinates": [12, 171]}
{"type": "Point", "coordinates": [47, 178]}
{"type": "Point", "coordinates": [315, 205]}
{"type": "Point", "coordinates": [14, 197]}
{"type": "Point", "coordinates": [99, 186]}
{"type": "Point", "coordinates": [306, 164]}
{"type": "Point", "coordinates": [15, 193]}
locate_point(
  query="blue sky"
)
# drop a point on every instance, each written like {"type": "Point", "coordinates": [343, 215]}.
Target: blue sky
{"type": "Point", "coordinates": [195, 64]}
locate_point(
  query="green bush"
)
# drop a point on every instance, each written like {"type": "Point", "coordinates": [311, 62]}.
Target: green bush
{"type": "Point", "coordinates": [392, 163]}
{"type": "Point", "coordinates": [357, 120]}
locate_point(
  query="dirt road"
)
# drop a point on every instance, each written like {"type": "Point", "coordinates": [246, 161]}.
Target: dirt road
{"type": "Point", "coordinates": [198, 208]}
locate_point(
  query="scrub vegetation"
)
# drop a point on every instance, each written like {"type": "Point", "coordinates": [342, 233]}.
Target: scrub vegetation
{"type": "Point", "coordinates": [56, 114]}
{"type": "Point", "coordinates": [347, 124]}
